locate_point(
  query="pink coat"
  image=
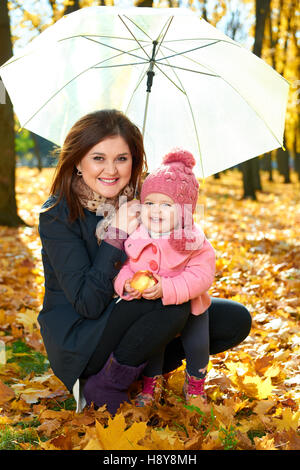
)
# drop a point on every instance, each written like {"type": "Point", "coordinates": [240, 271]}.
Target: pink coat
{"type": "Point", "coordinates": [185, 276]}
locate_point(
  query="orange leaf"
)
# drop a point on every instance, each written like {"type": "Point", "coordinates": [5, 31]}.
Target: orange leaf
{"type": "Point", "coordinates": [6, 393]}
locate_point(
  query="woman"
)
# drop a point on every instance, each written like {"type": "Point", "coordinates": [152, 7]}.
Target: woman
{"type": "Point", "coordinates": [87, 335]}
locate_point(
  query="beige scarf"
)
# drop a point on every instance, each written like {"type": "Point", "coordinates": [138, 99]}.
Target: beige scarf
{"type": "Point", "coordinates": [104, 206]}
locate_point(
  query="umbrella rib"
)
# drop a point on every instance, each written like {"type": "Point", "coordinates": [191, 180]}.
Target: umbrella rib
{"type": "Point", "coordinates": [115, 48]}
{"type": "Point", "coordinates": [170, 79]}
{"type": "Point", "coordinates": [99, 36]}
{"type": "Point", "coordinates": [118, 65]}
{"type": "Point", "coordinates": [70, 37]}
{"type": "Point", "coordinates": [170, 21]}
{"type": "Point", "coordinates": [137, 86]}
{"type": "Point", "coordinates": [190, 50]}
{"type": "Point", "coordinates": [193, 117]}
{"type": "Point", "coordinates": [204, 39]}
{"type": "Point", "coordinates": [189, 70]}
{"type": "Point", "coordinates": [66, 84]}
{"type": "Point", "coordinates": [146, 34]}
{"type": "Point", "coordinates": [134, 36]}
{"type": "Point", "coordinates": [228, 83]}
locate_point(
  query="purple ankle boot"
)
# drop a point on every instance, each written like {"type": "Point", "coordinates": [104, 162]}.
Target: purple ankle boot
{"type": "Point", "coordinates": [110, 385]}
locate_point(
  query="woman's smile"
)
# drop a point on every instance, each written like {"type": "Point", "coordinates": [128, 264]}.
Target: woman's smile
{"type": "Point", "coordinates": [108, 181]}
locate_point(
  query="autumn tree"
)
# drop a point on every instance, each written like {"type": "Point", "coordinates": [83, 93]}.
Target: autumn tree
{"type": "Point", "coordinates": [8, 206]}
{"type": "Point", "coordinates": [282, 52]}
{"type": "Point", "coordinates": [250, 168]}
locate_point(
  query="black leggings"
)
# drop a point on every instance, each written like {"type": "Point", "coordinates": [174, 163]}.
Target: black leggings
{"type": "Point", "coordinates": [137, 330]}
{"type": "Point", "coordinates": [229, 325]}
{"type": "Point", "coordinates": [195, 342]}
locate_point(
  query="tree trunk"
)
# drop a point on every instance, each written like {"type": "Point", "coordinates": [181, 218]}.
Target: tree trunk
{"type": "Point", "coordinates": [37, 151]}
{"type": "Point", "coordinates": [72, 8]}
{"type": "Point", "coordinates": [250, 168]}
{"type": "Point", "coordinates": [247, 169]}
{"type": "Point", "coordinates": [297, 164]}
{"type": "Point", "coordinates": [282, 157]}
{"type": "Point", "coordinates": [145, 3]}
{"type": "Point", "coordinates": [8, 205]}
{"type": "Point", "coordinates": [267, 164]}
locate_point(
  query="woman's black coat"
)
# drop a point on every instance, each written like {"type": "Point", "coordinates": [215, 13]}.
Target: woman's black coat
{"type": "Point", "coordinates": [78, 288]}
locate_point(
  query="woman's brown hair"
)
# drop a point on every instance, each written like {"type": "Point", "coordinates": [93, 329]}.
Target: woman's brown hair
{"type": "Point", "coordinates": [85, 133]}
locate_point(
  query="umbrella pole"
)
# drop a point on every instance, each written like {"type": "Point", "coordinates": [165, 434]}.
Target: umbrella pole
{"type": "Point", "coordinates": [150, 75]}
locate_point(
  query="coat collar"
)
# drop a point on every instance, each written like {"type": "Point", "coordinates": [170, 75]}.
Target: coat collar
{"type": "Point", "coordinates": [140, 239]}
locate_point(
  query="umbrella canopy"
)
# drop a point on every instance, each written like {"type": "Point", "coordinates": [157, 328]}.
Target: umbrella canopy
{"type": "Point", "coordinates": [182, 81]}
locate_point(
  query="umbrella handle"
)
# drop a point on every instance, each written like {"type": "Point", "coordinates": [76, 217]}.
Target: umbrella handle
{"type": "Point", "coordinates": [150, 72]}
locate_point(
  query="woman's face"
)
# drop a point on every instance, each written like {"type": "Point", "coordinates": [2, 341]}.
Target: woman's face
{"type": "Point", "coordinates": [106, 168]}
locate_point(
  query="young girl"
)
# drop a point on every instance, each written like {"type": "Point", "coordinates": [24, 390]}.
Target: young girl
{"type": "Point", "coordinates": [170, 245]}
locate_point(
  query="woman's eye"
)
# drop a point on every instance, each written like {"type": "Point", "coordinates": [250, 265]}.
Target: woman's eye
{"type": "Point", "coordinates": [148, 203]}
{"type": "Point", "coordinates": [98, 158]}
{"type": "Point", "coordinates": [122, 159]}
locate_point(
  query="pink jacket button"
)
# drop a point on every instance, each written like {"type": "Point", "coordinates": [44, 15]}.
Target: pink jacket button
{"type": "Point", "coordinates": [153, 265]}
{"type": "Point", "coordinates": [154, 249]}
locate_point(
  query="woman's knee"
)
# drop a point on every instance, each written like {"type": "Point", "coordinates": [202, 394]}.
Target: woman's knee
{"type": "Point", "coordinates": [243, 319]}
{"type": "Point", "coordinates": [229, 324]}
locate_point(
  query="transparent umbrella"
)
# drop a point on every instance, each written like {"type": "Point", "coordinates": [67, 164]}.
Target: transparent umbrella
{"type": "Point", "coordinates": [182, 81]}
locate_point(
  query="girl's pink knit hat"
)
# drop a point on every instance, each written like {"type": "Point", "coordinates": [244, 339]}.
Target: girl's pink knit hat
{"type": "Point", "coordinates": [176, 179]}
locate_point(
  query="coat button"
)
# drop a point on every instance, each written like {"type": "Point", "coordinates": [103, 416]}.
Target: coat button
{"type": "Point", "coordinates": [154, 249]}
{"type": "Point", "coordinates": [153, 265]}
{"type": "Point", "coordinates": [118, 264]}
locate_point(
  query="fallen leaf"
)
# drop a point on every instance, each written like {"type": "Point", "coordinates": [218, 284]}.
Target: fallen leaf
{"type": "Point", "coordinates": [6, 393]}
{"type": "Point", "coordinates": [288, 420]}
{"type": "Point", "coordinates": [116, 437]}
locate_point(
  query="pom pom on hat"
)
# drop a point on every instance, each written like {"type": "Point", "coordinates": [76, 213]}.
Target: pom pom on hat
{"type": "Point", "coordinates": [181, 156]}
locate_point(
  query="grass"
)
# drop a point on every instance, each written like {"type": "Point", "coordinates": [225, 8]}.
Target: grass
{"type": "Point", "coordinates": [11, 439]}
{"type": "Point", "coordinates": [27, 358]}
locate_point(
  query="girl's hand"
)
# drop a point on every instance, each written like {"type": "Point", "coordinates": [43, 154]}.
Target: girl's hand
{"type": "Point", "coordinates": [127, 216]}
{"type": "Point", "coordinates": [154, 292]}
{"type": "Point", "coordinates": [134, 294]}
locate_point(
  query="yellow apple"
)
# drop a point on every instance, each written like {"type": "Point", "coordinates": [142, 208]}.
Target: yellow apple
{"type": "Point", "coordinates": [141, 280]}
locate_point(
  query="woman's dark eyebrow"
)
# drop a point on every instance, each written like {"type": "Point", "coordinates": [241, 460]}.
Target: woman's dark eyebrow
{"type": "Point", "coordinates": [104, 155]}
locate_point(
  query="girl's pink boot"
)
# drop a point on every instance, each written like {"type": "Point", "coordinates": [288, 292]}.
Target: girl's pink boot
{"type": "Point", "coordinates": [193, 388]}
{"type": "Point", "coordinates": [151, 391]}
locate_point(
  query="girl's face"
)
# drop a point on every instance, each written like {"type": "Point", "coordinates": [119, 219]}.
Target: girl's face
{"type": "Point", "coordinates": [106, 168]}
{"type": "Point", "coordinates": [159, 213]}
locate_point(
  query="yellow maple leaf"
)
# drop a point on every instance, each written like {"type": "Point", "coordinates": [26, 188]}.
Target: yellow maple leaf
{"type": "Point", "coordinates": [288, 420]}
{"type": "Point", "coordinates": [164, 439]}
{"type": "Point", "coordinates": [273, 371]}
{"type": "Point", "coordinates": [116, 437]}
{"type": "Point", "coordinates": [257, 387]}
{"type": "Point", "coordinates": [93, 444]}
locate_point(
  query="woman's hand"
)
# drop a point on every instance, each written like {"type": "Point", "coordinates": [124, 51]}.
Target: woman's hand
{"type": "Point", "coordinates": [127, 216]}
{"type": "Point", "coordinates": [134, 293]}
{"type": "Point", "coordinates": [154, 292]}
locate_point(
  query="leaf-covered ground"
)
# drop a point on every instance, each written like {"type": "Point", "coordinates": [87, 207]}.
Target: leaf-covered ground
{"type": "Point", "coordinates": [253, 389]}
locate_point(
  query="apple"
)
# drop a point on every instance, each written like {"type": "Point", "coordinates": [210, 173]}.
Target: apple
{"type": "Point", "coordinates": [141, 280]}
